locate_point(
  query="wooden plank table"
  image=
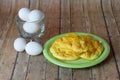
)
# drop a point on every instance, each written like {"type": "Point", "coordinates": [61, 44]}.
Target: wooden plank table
{"type": "Point", "coordinates": [101, 17]}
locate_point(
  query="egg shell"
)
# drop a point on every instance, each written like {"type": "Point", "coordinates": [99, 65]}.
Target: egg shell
{"type": "Point", "coordinates": [35, 15]}
{"type": "Point", "coordinates": [33, 48]}
{"type": "Point", "coordinates": [23, 14]}
{"type": "Point", "coordinates": [19, 44]}
{"type": "Point", "coordinates": [31, 28]}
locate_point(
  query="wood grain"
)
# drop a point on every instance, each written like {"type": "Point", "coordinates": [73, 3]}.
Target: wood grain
{"type": "Point", "coordinates": [101, 17]}
{"type": "Point", "coordinates": [116, 10]}
{"type": "Point", "coordinates": [36, 68]}
{"type": "Point", "coordinates": [111, 24]}
{"type": "Point", "coordinates": [65, 24]}
{"type": "Point", "coordinates": [78, 24]}
{"type": "Point", "coordinates": [98, 27]}
{"type": "Point", "coordinates": [34, 4]}
{"type": "Point", "coordinates": [65, 17]}
{"type": "Point", "coordinates": [7, 53]}
{"type": "Point", "coordinates": [52, 29]}
{"type": "Point", "coordinates": [77, 16]}
{"type": "Point", "coordinates": [44, 69]}
{"type": "Point", "coordinates": [21, 66]}
{"type": "Point", "coordinates": [115, 38]}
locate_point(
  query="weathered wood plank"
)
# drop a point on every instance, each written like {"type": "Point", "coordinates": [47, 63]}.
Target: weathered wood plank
{"type": "Point", "coordinates": [7, 53]}
{"type": "Point", "coordinates": [115, 39]}
{"type": "Point", "coordinates": [65, 73]}
{"type": "Point", "coordinates": [78, 24]}
{"type": "Point", "coordinates": [36, 68]}
{"type": "Point", "coordinates": [97, 26]}
{"type": "Point", "coordinates": [21, 67]}
{"type": "Point", "coordinates": [5, 7]}
{"type": "Point", "coordinates": [94, 18]}
{"type": "Point", "coordinates": [39, 68]}
{"type": "Point", "coordinates": [116, 46]}
{"type": "Point", "coordinates": [115, 5]}
{"type": "Point", "coordinates": [61, 16]}
{"type": "Point", "coordinates": [34, 4]}
{"type": "Point", "coordinates": [18, 4]}
{"type": "Point", "coordinates": [21, 63]}
{"type": "Point", "coordinates": [52, 25]}
{"type": "Point", "coordinates": [65, 18]}
{"type": "Point", "coordinates": [110, 19]}
{"type": "Point", "coordinates": [77, 16]}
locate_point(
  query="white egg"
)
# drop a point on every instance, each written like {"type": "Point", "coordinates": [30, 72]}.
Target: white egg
{"type": "Point", "coordinates": [19, 44]}
{"type": "Point", "coordinates": [35, 15]}
{"type": "Point", "coordinates": [33, 48]}
{"type": "Point", "coordinates": [23, 14]}
{"type": "Point", "coordinates": [31, 28]}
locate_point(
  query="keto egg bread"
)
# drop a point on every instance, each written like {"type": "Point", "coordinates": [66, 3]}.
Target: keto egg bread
{"type": "Point", "coordinates": [73, 46]}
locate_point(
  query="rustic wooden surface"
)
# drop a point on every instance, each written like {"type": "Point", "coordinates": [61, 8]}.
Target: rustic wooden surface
{"type": "Point", "coordinates": [101, 17]}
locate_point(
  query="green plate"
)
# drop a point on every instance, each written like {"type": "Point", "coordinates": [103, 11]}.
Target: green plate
{"type": "Point", "coordinates": [79, 63]}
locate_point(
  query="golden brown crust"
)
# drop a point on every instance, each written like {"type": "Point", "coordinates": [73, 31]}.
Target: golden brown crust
{"type": "Point", "coordinates": [73, 46]}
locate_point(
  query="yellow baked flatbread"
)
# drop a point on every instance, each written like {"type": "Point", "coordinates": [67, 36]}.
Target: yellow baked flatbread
{"type": "Point", "coordinates": [73, 46]}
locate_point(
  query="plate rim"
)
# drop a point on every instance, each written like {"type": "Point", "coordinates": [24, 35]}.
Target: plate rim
{"type": "Point", "coordinates": [68, 65]}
